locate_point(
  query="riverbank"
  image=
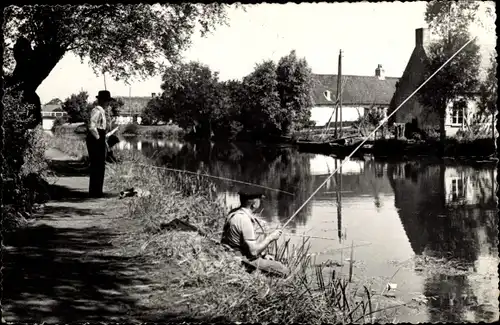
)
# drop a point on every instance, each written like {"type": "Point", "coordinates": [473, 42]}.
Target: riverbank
{"type": "Point", "coordinates": [403, 149]}
{"type": "Point", "coordinates": [477, 149]}
{"type": "Point", "coordinates": [170, 131]}
{"type": "Point", "coordinates": [187, 274]}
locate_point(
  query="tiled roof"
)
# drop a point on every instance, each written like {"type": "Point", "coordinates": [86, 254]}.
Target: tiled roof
{"type": "Point", "coordinates": [133, 105]}
{"type": "Point", "coordinates": [358, 90]}
{"type": "Point", "coordinates": [52, 108]}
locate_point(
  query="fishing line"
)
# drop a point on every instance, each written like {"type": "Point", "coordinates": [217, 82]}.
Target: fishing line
{"type": "Point", "coordinates": [206, 175]}
{"type": "Point", "coordinates": [382, 122]}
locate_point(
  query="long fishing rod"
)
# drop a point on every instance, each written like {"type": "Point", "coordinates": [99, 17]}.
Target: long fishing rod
{"type": "Point", "coordinates": [367, 137]}
{"type": "Point", "coordinates": [207, 175]}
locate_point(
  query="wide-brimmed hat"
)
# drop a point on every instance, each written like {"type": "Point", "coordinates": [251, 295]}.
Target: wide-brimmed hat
{"type": "Point", "coordinates": [251, 195]}
{"type": "Point", "coordinates": [104, 95]}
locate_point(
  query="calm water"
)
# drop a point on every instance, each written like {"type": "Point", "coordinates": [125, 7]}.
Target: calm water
{"type": "Point", "coordinates": [400, 212]}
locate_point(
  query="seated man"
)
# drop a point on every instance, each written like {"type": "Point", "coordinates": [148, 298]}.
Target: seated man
{"type": "Point", "coordinates": [239, 235]}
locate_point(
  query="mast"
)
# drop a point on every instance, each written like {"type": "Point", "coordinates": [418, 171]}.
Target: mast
{"type": "Point", "coordinates": [339, 90]}
{"type": "Point", "coordinates": [338, 178]}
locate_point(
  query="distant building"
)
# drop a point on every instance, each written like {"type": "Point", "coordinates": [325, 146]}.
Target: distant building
{"type": "Point", "coordinates": [132, 109]}
{"type": "Point", "coordinates": [49, 113]}
{"type": "Point", "coordinates": [459, 114]}
{"type": "Point", "coordinates": [359, 94]}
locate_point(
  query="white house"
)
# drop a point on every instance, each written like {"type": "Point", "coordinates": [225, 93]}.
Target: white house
{"type": "Point", "coordinates": [132, 109]}
{"type": "Point", "coordinates": [49, 113]}
{"type": "Point", "coordinates": [359, 93]}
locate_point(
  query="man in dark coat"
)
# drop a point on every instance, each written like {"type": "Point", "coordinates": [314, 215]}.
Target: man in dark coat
{"type": "Point", "coordinates": [96, 143]}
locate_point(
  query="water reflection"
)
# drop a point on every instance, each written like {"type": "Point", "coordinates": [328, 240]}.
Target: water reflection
{"type": "Point", "coordinates": [450, 212]}
{"type": "Point", "coordinates": [401, 209]}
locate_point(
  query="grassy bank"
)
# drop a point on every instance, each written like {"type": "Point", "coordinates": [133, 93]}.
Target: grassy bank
{"type": "Point", "coordinates": [71, 145]}
{"type": "Point", "coordinates": [171, 131]}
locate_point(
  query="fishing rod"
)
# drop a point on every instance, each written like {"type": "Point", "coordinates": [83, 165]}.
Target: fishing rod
{"type": "Point", "coordinates": [382, 122]}
{"type": "Point", "coordinates": [207, 175]}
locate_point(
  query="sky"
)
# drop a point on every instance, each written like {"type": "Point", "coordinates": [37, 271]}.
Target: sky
{"type": "Point", "coordinates": [368, 34]}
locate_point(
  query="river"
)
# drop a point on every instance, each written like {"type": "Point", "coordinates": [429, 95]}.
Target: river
{"type": "Point", "coordinates": [396, 213]}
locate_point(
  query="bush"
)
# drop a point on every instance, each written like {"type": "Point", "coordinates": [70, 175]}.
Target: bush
{"type": "Point", "coordinates": [58, 122]}
{"type": "Point", "coordinates": [23, 166]}
{"type": "Point", "coordinates": [131, 128]}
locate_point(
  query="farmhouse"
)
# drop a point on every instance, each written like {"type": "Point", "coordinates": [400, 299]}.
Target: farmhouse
{"type": "Point", "coordinates": [132, 109]}
{"type": "Point", "coordinates": [460, 113]}
{"type": "Point", "coordinates": [359, 93]}
{"type": "Point", "coordinates": [49, 113]}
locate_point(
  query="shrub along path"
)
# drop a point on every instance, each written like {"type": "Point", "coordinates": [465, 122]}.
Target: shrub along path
{"type": "Point", "coordinates": [67, 266]}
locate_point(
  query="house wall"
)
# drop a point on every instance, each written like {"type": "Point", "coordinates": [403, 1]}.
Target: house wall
{"type": "Point", "coordinates": [47, 123]}
{"type": "Point", "coordinates": [321, 114]}
{"type": "Point", "coordinates": [122, 119]}
{"type": "Point", "coordinates": [472, 109]}
{"type": "Point", "coordinates": [412, 78]}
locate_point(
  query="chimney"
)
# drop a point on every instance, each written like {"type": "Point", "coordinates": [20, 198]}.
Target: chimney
{"type": "Point", "coordinates": [421, 37]}
{"type": "Point", "coordinates": [379, 72]}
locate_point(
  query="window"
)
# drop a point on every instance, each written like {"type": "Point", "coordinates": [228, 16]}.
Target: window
{"type": "Point", "coordinates": [457, 189]}
{"type": "Point", "coordinates": [457, 112]}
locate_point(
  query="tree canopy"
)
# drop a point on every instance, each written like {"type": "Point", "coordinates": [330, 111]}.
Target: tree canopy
{"type": "Point", "coordinates": [124, 40]}
{"type": "Point", "coordinates": [272, 100]}
{"type": "Point", "coordinates": [77, 107]}
{"type": "Point", "coordinates": [450, 21]}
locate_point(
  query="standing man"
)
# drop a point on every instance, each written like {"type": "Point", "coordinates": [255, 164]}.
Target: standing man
{"type": "Point", "coordinates": [96, 143]}
{"type": "Point", "coordinates": [239, 235]}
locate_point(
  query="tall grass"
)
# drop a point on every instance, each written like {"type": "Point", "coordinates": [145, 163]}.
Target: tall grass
{"type": "Point", "coordinates": [213, 279]}
{"type": "Point", "coordinates": [73, 146]}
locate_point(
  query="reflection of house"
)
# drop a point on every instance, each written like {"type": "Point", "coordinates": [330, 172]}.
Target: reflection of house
{"type": "Point", "coordinates": [359, 93]}
{"type": "Point", "coordinates": [324, 165]}
{"type": "Point", "coordinates": [132, 109]}
{"type": "Point", "coordinates": [443, 208]}
{"type": "Point", "coordinates": [465, 188]}
{"type": "Point", "coordinates": [49, 113]}
{"type": "Point", "coordinates": [459, 113]}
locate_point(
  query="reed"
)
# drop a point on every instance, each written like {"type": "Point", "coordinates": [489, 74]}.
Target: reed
{"type": "Point", "coordinates": [212, 280]}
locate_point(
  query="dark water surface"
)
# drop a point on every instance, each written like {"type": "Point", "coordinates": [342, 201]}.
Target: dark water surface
{"type": "Point", "coordinates": [430, 228]}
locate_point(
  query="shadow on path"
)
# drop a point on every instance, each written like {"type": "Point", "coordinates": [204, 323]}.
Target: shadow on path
{"type": "Point", "coordinates": [66, 275]}
{"type": "Point", "coordinates": [69, 168]}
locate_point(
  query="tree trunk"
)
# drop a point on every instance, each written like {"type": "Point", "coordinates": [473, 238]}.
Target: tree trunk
{"type": "Point", "coordinates": [32, 67]}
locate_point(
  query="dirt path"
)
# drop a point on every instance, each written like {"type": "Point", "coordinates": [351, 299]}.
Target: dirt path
{"type": "Point", "coordinates": [65, 267]}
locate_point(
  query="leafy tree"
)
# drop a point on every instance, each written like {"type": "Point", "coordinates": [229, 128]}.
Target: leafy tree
{"type": "Point", "coordinates": [155, 112]}
{"type": "Point", "coordinates": [77, 107]}
{"type": "Point", "coordinates": [488, 91]}
{"type": "Point", "coordinates": [123, 40]}
{"type": "Point", "coordinates": [262, 113]}
{"type": "Point", "coordinates": [191, 93]}
{"type": "Point", "coordinates": [229, 125]}
{"type": "Point", "coordinates": [294, 78]}
{"type": "Point", "coordinates": [450, 21]}
{"type": "Point", "coordinates": [55, 101]}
